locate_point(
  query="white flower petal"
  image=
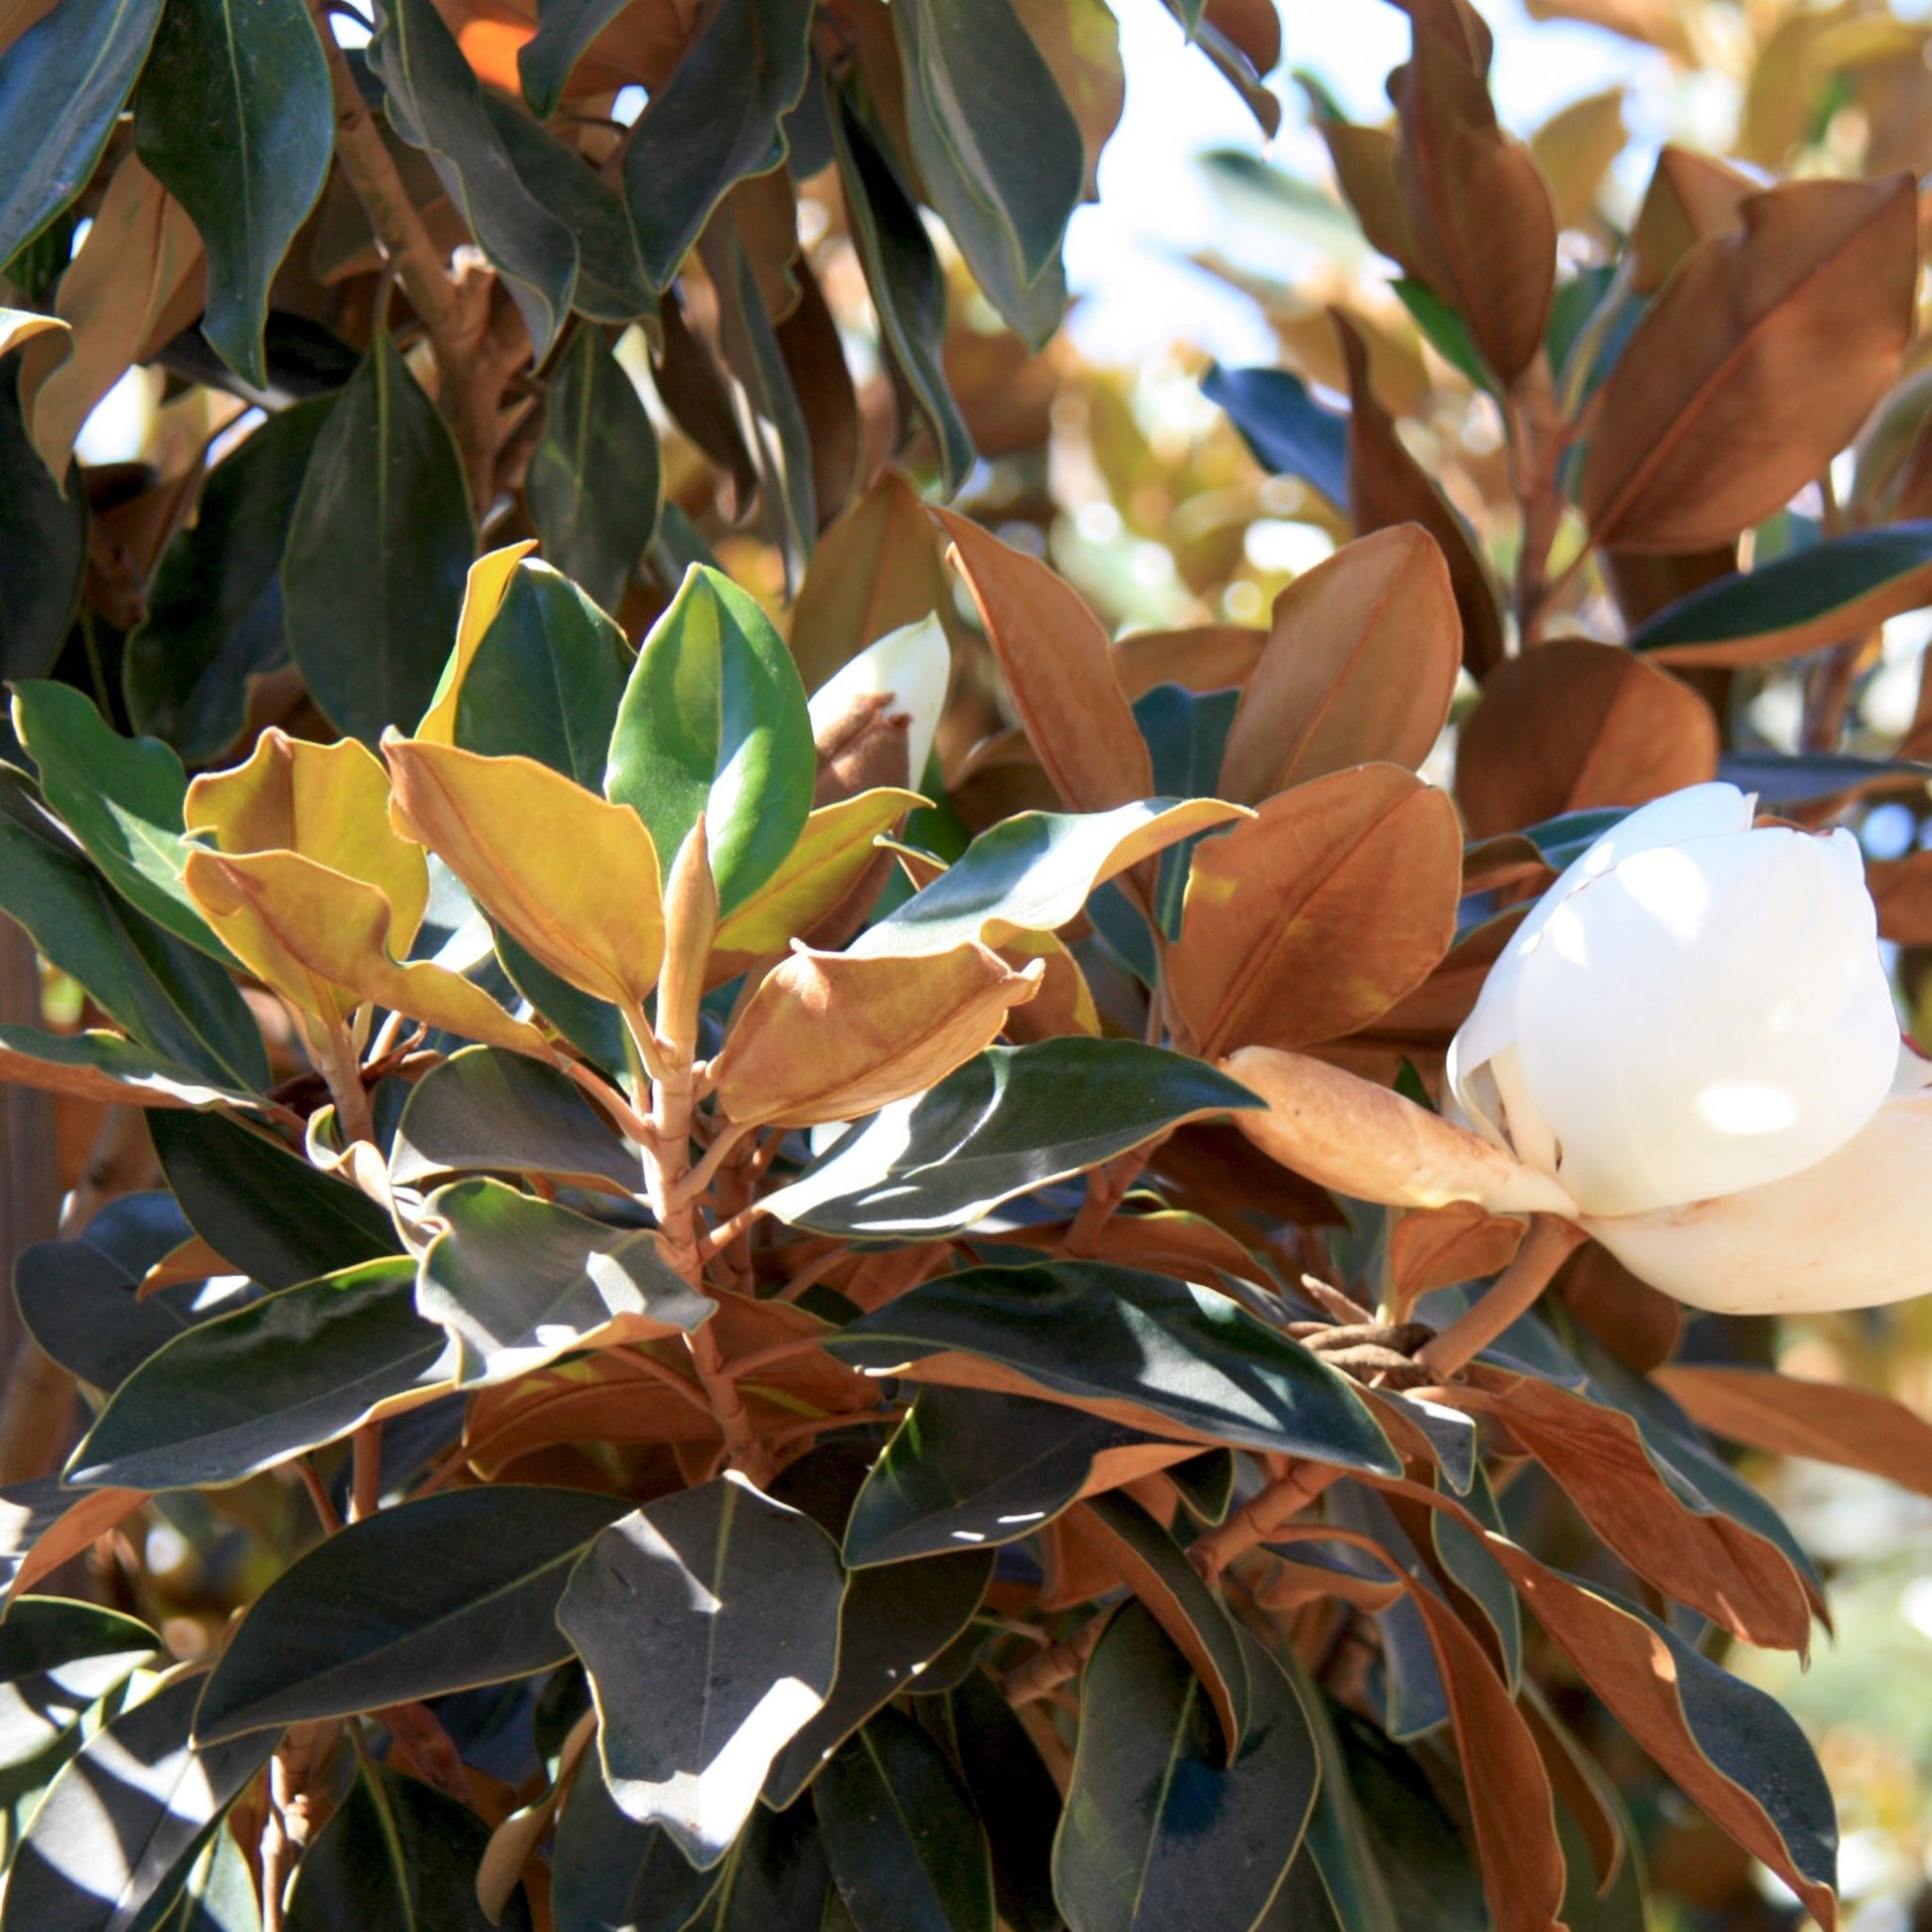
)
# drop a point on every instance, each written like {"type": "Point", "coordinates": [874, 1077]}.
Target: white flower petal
{"type": "Point", "coordinates": [1852, 1232]}
{"type": "Point", "coordinates": [1705, 1017]}
{"type": "Point", "coordinates": [912, 668]}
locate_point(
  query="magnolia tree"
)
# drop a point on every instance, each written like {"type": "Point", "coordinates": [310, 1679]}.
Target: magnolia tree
{"type": "Point", "coordinates": [779, 1240]}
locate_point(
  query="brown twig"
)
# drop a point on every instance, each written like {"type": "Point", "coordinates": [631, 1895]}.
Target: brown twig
{"type": "Point", "coordinates": [1549, 1242]}
{"type": "Point", "coordinates": [1044, 1672]}
{"type": "Point", "coordinates": [1256, 1521]}
{"type": "Point", "coordinates": [365, 1490]}
{"type": "Point", "coordinates": [1107, 1188]}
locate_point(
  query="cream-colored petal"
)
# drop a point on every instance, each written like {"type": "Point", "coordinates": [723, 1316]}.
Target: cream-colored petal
{"type": "Point", "coordinates": [912, 668]}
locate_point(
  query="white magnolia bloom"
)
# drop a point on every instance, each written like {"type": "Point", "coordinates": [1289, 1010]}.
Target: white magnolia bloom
{"type": "Point", "coordinates": [909, 668]}
{"type": "Point", "coordinates": [1693, 1034]}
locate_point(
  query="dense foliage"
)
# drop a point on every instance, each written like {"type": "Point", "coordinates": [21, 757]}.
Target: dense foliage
{"type": "Point", "coordinates": [770, 1244]}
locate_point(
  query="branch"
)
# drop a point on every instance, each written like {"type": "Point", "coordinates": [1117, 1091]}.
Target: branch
{"type": "Point", "coordinates": [1549, 1242]}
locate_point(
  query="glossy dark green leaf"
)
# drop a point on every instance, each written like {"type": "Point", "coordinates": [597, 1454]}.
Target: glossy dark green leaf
{"type": "Point", "coordinates": [244, 1391]}
{"type": "Point", "coordinates": [714, 721]}
{"type": "Point", "coordinates": [126, 1819]}
{"type": "Point", "coordinates": [775, 1879]}
{"type": "Point", "coordinates": [998, 148]}
{"type": "Point", "coordinates": [609, 1870]}
{"type": "Point", "coordinates": [1444, 329]}
{"type": "Point", "coordinates": [121, 797]}
{"type": "Point", "coordinates": [894, 1621]}
{"type": "Point", "coordinates": [1186, 732]}
{"type": "Point", "coordinates": [1408, 1686]}
{"type": "Point", "coordinates": [67, 1062]}
{"type": "Point", "coordinates": [163, 994]}
{"type": "Point", "coordinates": [57, 1658]}
{"type": "Point", "coordinates": [774, 414]}
{"type": "Point", "coordinates": [234, 119]}
{"type": "Point", "coordinates": [219, 1894]}
{"type": "Point", "coordinates": [1013, 1793]}
{"type": "Point", "coordinates": [717, 120]}
{"type": "Point", "coordinates": [1778, 780]}
{"type": "Point", "coordinates": [592, 1025]}
{"type": "Point", "coordinates": [1153, 1825]}
{"type": "Point", "coordinates": [709, 1623]}
{"type": "Point", "coordinates": [565, 28]}
{"type": "Point", "coordinates": [1478, 1574]}
{"type": "Point", "coordinates": [1010, 1120]}
{"type": "Point", "coordinates": [1836, 588]}
{"type": "Point", "coordinates": [453, 1590]}
{"type": "Point", "coordinates": [1171, 1351]}
{"type": "Point", "coordinates": [546, 679]}
{"type": "Point", "coordinates": [215, 614]}
{"type": "Point", "coordinates": [397, 1855]}
{"type": "Point", "coordinates": [969, 1467]}
{"type": "Point", "coordinates": [1206, 1485]}
{"type": "Point", "coordinates": [1187, 1608]}
{"type": "Point", "coordinates": [275, 1217]}
{"type": "Point", "coordinates": [483, 1111]}
{"type": "Point", "coordinates": [906, 283]}
{"type": "Point", "coordinates": [43, 545]}
{"type": "Point", "coordinates": [436, 103]}
{"type": "Point", "coordinates": [517, 1282]}
{"type": "Point", "coordinates": [1291, 434]}
{"type": "Point", "coordinates": [905, 1847]}
{"type": "Point", "coordinates": [1341, 1871]}
{"type": "Point", "coordinates": [78, 1297]}
{"type": "Point", "coordinates": [594, 483]}
{"type": "Point", "coordinates": [384, 486]}
{"type": "Point", "coordinates": [610, 284]}
{"type": "Point", "coordinates": [61, 86]}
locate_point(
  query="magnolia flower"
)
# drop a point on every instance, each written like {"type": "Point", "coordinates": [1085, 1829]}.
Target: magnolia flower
{"type": "Point", "coordinates": [1689, 1050]}
{"type": "Point", "coordinates": [903, 676]}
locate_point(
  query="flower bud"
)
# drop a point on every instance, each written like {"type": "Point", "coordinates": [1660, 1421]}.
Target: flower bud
{"type": "Point", "coordinates": [895, 687]}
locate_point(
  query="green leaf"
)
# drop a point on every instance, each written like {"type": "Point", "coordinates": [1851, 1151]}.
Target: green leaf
{"type": "Point", "coordinates": [79, 1063]}
{"type": "Point", "coordinates": [518, 1281]}
{"type": "Point", "coordinates": [969, 1467]}
{"type": "Point", "coordinates": [1478, 1575]}
{"type": "Point", "coordinates": [905, 281]}
{"type": "Point", "coordinates": [257, 1206]}
{"type": "Point", "coordinates": [235, 121]}
{"type": "Point", "coordinates": [592, 1025]}
{"type": "Point", "coordinates": [487, 1111]}
{"type": "Point", "coordinates": [1010, 1120]}
{"type": "Point", "coordinates": [58, 1659]}
{"type": "Point", "coordinates": [1153, 1825]}
{"type": "Point", "coordinates": [546, 678]}
{"type": "Point", "coordinates": [905, 1845]}
{"type": "Point", "coordinates": [1033, 872]}
{"type": "Point", "coordinates": [445, 1593]}
{"type": "Point", "coordinates": [1014, 1795]}
{"type": "Point", "coordinates": [594, 485]}
{"type": "Point", "coordinates": [126, 1819]}
{"type": "Point", "coordinates": [384, 486]}
{"type": "Point", "coordinates": [43, 544]}
{"type": "Point", "coordinates": [718, 119]}
{"type": "Point", "coordinates": [714, 721]}
{"type": "Point", "coordinates": [1165, 1355]}
{"type": "Point", "coordinates": [709, 1623]}
{"type": "Point", "coordinates": [1206, 1485]}
{"type": "Point", "coordinates": [1445, 330]}
{"type": "Point", "coordinates": [776, 1879]}
{"type": "Point", "coordinates": [1290, 432]}
{"type": "Point", "coordinates": [78, 1297]}
{"type": "Point", "coordinates": [610, 284]}
{"type": "Point", "coordinates": [1839, 588]}
{"type": "Point", "coordinates": [219, 1894]}
{"type": "Point", "coordinates": [397, 1855]}
{"type": "Point", "coordinates": [166, 996]}
{"type": "Point", "coordinates": [121, 797]}
{"type": "Point", "coordinates": [436, 103]}
{"type": "Point", "coordinates": [607, 1870]}
{"type": "Point", "coordinates": [998, 149]}
{"type": "Point", "coordinates": [894, 1621]}
{"type": "Point", "coordinates": [61, 86]}
{"type": "Point", "coordinates": [565, 28]}
{"type": "Point", "coordinates": [1778, 780]}
{"type": "Point", "coordinates": [247, 1390]}
{"type": "Point", "coordinates": [215, 614]}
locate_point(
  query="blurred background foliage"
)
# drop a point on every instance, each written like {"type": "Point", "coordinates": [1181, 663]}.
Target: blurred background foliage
{"type": "Point", "coordinates": [1143, 493]}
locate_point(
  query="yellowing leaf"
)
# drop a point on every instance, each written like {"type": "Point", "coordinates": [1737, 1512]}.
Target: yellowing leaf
{"type": "Point", "coordinates": [327, 803]}
{"type": "Point", "coordinates": [1319, 914]}
{"type": "Point", "coordinates": [483, 596]}
{"type": "Point", "coordinates": [1065, 1003]}
{"type": "Point", "coordinates": [318, 936]}
{"type": "Point", "coordinates": [19, 325]}
{"type": "Point", "coordinates": [571, 876]}
{"type": "Point", "coordinates": [828, 1036]}
{"type": "Point", "coordinates": [832, 853]}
